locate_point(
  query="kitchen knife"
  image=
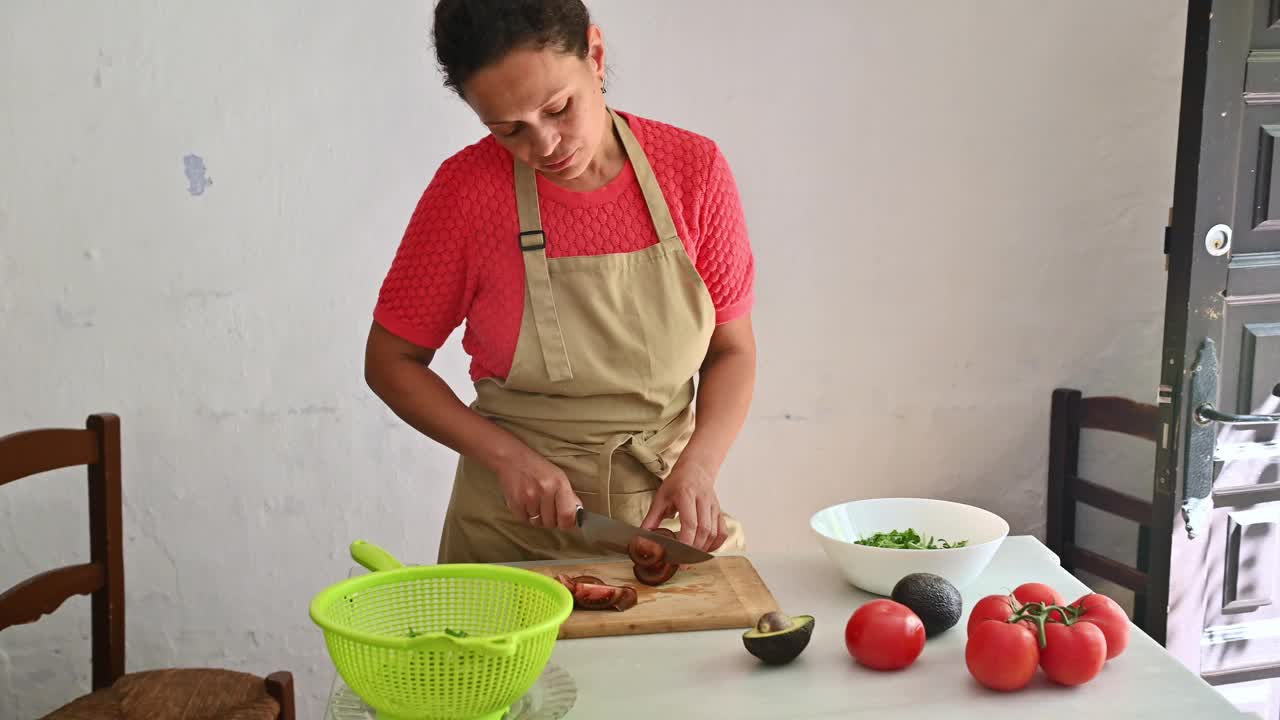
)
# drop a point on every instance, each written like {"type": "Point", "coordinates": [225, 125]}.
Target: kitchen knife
{"type": "Point", "coordinates": [615, 535]}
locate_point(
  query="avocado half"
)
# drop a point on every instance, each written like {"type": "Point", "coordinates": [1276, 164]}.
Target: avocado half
{"type": "Point", "coordinates": [777, 639]}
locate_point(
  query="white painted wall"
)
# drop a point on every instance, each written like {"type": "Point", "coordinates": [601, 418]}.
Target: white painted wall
{"type": "Point", "coordinates": [955, 209]}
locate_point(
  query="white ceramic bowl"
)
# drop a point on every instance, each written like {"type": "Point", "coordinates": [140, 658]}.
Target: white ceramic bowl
{"type": "Point", "coordinates": [877, 569]}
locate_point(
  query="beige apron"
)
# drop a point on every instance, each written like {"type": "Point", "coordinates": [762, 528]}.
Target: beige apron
{"type": "Point", "coordinates": [601, 383]}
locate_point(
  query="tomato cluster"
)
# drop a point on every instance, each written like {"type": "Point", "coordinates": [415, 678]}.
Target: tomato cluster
{"type": "Point", "coordinates": [1010, 636]}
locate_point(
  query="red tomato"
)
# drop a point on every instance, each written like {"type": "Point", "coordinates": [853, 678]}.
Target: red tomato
{"type": "Point", "coordinates": [1038, 592]}
{"type": "Point", "coordinates": [1041, 593]}
{"type": "Point", "coordinates": [1073, 654]}
{"type": "Point", "coordinates": [884, 635]}
{"type": "Point", "coordinates": [1110, 619]}
{"type": "Point", "coordinates": [991, 607]}
{"type": "Point", "coordinates": [1002, 656]}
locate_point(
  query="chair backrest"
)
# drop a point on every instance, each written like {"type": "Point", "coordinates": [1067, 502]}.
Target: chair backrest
{"type": "Point", "coordinates": [1119, 415]}
{"type": "Point", "coordinates": [1071, 413]}
{"type": "Point", "coordinates": [30, 452]}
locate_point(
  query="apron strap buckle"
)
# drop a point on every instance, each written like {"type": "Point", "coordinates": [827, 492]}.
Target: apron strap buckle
{"type": "Point", "coordinates": [539, 245]}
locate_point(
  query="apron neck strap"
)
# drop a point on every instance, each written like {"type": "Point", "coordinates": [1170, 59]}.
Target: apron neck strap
{"type": "Point", "coordinates": [533, 244]}
{"type": "Point", "coordinates": [531, 235]}
{"type": "Point", "coordinates": [658, 210]}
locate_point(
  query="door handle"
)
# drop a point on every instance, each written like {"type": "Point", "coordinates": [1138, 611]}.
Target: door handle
{"type": "Point", "coordinates": [1199, 448]}
{"type": "Point", "coordinates": [1207, 413]}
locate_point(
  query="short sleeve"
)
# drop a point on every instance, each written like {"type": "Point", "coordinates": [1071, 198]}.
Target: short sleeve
{"type": "Point", "coordinates": [423, 296]}
{"type": "Point", "coordinates": [725, 260]}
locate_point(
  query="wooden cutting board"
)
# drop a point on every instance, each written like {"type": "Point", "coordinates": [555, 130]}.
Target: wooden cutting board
{"type": "Point", "coordinates": [722, 593]}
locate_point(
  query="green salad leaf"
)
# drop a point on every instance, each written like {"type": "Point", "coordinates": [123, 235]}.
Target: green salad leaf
{"type": "Point", "coordinates": [908, 539]}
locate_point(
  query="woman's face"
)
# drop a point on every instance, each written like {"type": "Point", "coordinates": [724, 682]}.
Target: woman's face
{"type": "Point", "coordinates": [545, 106]}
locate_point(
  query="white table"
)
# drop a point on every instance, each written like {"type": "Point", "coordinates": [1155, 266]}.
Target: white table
{"type": "Point", "coordinates": [710, 674]}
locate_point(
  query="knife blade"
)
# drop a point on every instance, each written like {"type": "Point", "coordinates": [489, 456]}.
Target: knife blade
{"type": "Point", "coordinates": [616, 535]}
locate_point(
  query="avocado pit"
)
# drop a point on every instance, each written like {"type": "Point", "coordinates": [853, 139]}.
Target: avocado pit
{"type": "Point", "coordinates": [777, 638]}
{"type": "Point", "coordinates": [773, 622]}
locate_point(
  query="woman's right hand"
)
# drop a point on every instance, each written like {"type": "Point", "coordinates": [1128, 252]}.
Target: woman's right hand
{"type": "Point", "coordinates": [538, 492]}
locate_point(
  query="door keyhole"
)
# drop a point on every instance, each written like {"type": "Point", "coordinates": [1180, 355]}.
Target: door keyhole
{"type": "Point", "coordinates": [1218, 240]}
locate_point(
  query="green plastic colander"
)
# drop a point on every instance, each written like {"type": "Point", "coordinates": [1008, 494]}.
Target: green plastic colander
{"type": "Point", "coordinates": [440, 642]}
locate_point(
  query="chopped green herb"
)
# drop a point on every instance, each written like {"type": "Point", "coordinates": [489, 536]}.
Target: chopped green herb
{"type": "Point", "coordinates": [908, 539]}
{"type": "Point", "coordinates": [447, 631]}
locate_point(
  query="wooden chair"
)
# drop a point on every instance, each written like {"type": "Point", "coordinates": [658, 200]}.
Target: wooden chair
{"type": "Point", "coordinates": [1071, 412]}
{"type": "Point", "coordinates": [117, 695]}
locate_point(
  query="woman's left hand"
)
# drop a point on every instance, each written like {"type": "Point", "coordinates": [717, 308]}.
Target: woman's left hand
{"type": "Point", "coordinates": [689, 491]}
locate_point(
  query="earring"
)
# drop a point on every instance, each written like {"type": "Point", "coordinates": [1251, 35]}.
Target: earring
{"type": "Point", "coordinates": [603, 89]}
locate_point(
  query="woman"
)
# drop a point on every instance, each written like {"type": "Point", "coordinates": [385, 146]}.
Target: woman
{"type": "Point", "coordinates": [600, 262]}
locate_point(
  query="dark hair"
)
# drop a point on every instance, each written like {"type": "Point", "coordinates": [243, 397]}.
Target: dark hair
{"type": "Point", "coordinates": [470, 34]}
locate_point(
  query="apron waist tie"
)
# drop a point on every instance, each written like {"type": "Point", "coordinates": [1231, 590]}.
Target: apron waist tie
{"type": "Point", "coordinates": [635, 446]}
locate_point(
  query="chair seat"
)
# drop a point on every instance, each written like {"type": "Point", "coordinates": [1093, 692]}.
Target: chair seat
{"type": "Point", "coordinates": [178, 694]}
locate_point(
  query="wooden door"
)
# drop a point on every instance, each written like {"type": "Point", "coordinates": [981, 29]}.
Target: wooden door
{"type": "Point", "coordinates": [1216, 482]}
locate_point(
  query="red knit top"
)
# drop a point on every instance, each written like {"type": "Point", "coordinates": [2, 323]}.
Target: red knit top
{"type": "Point", "coordinates": [460, 258]}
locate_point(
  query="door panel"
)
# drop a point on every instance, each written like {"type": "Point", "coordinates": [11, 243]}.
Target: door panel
{"type": "Point", "coordinates": [1248, 585]}
{"type": "Point", "coordinates": [1266, 25]}
{"type": "Point", "coordinates": [1222, 615]}
{"type": "Point", "coordinates": [1259, 361]}
{"type": "Point", "coordinates": [1257, 222]}
{"type": "Point", "coordinates": [1242, 624]}
{"type": "Point", "coordinates": [1250, 365]}
{"type": "Point", "coordinates": [1259, 697]}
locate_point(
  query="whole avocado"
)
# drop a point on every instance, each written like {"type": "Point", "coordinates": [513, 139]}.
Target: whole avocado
{"type": "Point", "coordinates": [931, 597]}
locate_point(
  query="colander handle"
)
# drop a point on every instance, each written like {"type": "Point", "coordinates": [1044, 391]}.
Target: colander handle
{"type": "Point", "coordinates": [373, 557]}
{"type": "Point", "coordinates": [502, 647]}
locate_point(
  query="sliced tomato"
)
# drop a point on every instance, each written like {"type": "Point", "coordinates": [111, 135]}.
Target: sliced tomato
{"type": "Point", "coordinates": [590, 596]}
{"type": "Point", "coordinates": [645, 552]}
{"type": "Point", "coordinates": [627, 599]}
{"type": "Point", "coordinates": [655, 574]}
